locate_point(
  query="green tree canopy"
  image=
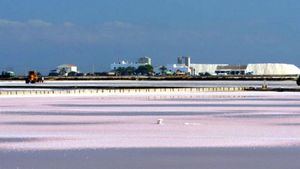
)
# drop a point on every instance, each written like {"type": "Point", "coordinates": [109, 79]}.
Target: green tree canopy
{"type": "Point", "coordinates": [163, 70]}
{"type": "Point", "coordinates": [144, 70]}
{"type": "Point", "coordinates": [125, 71]}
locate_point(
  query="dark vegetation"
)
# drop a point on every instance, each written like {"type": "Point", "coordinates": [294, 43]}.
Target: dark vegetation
{"type": "Point", "coordinates": [129, 71]}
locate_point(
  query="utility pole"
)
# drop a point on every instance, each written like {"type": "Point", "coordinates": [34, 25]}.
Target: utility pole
{"type": "Point", "coordinates": [93, 71]}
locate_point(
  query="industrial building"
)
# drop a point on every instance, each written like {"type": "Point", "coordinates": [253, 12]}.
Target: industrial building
{"type": "Point", "coordinates": [64, 70]}
{"type": "Point", "coordinates": [145, 60]}
{"type": "Point", "coordinates": [205, 68]}
{"type": "Point", "coordinates": [176, 68]}
{"type": "Point", "coordinates": [124, 64]}
{"type": "Point", "coordinates": [231, 70]}
{"type": "Point", "coordinates": [254, 69]}
{"type": "Point", "coordinates": [182, 66]}
{"type": "Point", "coordinates": [184, 60]}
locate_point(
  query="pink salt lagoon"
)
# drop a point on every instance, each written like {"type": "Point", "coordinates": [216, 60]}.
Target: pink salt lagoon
{"type": "Point", "coordinates": [189, 120]}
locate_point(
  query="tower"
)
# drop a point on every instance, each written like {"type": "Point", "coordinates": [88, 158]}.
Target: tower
{"type": "Point", "coordinates": [184, 60]}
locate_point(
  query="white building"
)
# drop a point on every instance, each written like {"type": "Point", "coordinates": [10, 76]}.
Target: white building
{"type": "Point", "coordinates": [145, 60]}
{"type": "Point", "coordinates": [205, 68]}
{"type": "Point", "coordinates": [232, 70]}
{"type": "Point", "coordinates": [255, 69]}
{"type": "Point", "coordinates": [64, 69]}
{"type": "Point", "coordinates": [179, 68]}
{"type": "Point", "coordinates": [68, 68]}
{"type": "Point", "coordinates": [182, 66]}
{"type": "Point", "coordinates": [124, 64]}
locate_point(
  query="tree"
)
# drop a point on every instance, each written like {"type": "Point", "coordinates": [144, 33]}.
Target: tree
{"type": "Point", "coordinates": [125, 71]}
{"type": "Point", "coordinates": [8, 74]}
{"type": "Point", "coordinates": [130, 71]}
{"type": "Point", "coordinates": [163, 70]}
{"type": "Point", "coordinates": [72, 73]}
{"type": "Point", "coordinates": [63, 72]}
{"type": "Point", "coordinates": [205, 74]}
{"type": "Point", "coordinates": [144, 70]}
{"type": "Point", "coordinates": [120, 70]}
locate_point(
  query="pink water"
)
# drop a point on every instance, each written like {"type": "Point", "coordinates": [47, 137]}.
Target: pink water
{"type": "Point", "coordinates": [246, 119]}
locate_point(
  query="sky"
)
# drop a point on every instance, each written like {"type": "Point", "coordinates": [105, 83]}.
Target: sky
{"type": "Point", "coordinates": [41, 34]}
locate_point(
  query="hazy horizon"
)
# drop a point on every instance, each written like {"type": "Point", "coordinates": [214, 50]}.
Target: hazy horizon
{"type": "Point", "coordinates": [43, 34]}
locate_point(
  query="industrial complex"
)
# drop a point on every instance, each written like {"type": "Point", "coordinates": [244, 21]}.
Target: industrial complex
{"type": "Point", "coordinates": [183, 69]}
{"type": "Point", "coordinates": [64, 70]}
{"type": "Point", "coordinates": [250, 69]}
{"type": "Point", "coordinates": [183, 66]}
{"type": "Point", "coordinates": [124, 64]}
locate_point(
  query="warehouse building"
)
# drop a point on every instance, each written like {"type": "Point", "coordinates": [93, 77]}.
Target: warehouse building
{"type": "Point", "coordinates": [64, 70]}
{"type": "Point", "coordinates": [145, 60]}
{"type": "Point", "coordinates": [255, 69]}
{"type": "Point", "coordinates": [231, 70]}
{"type": "Point", "coordinates": [178, 68]}
{"type": "Point", "coordinates": [183, 66]}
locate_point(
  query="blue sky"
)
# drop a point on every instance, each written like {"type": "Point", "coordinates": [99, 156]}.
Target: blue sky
{"type": "Point", "coordinates": [40, 34]}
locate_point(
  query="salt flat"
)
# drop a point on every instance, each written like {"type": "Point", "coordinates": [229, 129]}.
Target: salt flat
{"type": "Point", "coordinates": [213, 130]}
{"type": "Point", "coordinates": [128, 83]}
{"type": "Point", "coordinates": [237, 119]}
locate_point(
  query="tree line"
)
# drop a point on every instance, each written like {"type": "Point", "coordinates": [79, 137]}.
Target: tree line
{"type": "Point", "coordinates": [141, 70]}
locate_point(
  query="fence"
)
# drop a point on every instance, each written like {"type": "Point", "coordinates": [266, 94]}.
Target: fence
{"type": "Point", "coordinates": [118, 91]}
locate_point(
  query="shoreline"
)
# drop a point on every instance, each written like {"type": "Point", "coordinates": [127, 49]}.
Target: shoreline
{"type": "Point", "coordinates": [104, 91]}
{"type": "Point", "coordinates": [214, 158]}
{"type": "Point", "coordinates": [11, 88]}
{"type": "Point", "coordinates": [167, 78]}
{"type": "Point", "coordinates": [89, 90]}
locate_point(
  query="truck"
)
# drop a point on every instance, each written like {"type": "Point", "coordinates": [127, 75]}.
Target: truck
{"type": "Point", "coordinates": [34, 77]}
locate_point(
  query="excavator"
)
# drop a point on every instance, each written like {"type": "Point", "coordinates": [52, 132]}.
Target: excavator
{"type": "Point", "coordinates": [34, 77]}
